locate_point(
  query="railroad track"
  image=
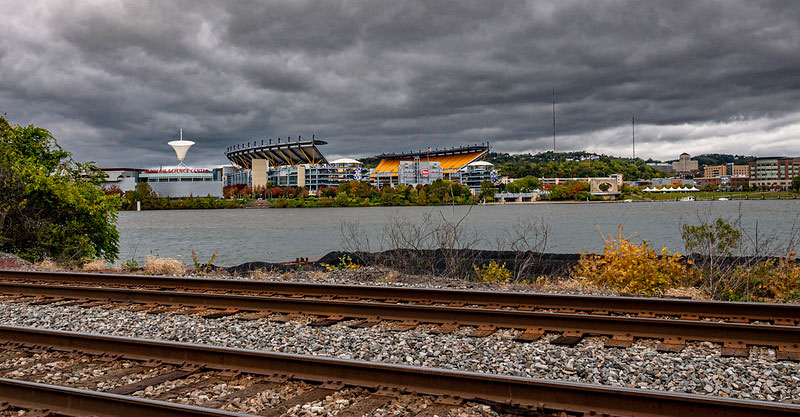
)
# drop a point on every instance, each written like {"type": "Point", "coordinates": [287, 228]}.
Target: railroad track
{"type": "Point", "coordinates": [735, 337]}
{"type": "Point", "coordinates": [78, 374]}
{"type": "Point", "coordinates": [736, 312]}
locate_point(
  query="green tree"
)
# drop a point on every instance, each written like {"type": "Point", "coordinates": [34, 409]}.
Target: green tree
{"type": "Point", "coordinates": [796, 183]}
{"type": "Point", "coordinates": [488, 190]}
{"type": "Point", "coordinates": [51, 205]}
{"type": "Point", "coordinates": [524, 185]}
{"type": "Point", "coordinates": [144, 193]}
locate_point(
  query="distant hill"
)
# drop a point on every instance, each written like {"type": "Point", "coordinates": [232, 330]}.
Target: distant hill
{"type": "Point", "coordinates": [370, 161]}
{"type": "Point", "coordinates": [722, 158]}
{"type": "Point", "coordinates": [571, 164]}
{"type": "Point", "coordinates": [561, 164]}
{"type": "Point", "coordinates": [717, 159]}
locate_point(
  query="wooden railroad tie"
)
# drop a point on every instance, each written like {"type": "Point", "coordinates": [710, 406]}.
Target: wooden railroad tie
{"type": "Point", "coordinates": [671, 344]}
{"type": "Point", "coordinates": [620, 340]}
{"type": "Point", "coordinates": [445, 328]}
{"type": "Point", "coordinates": [483, 330]}
{"type": "Point", "coordinates": [362, 324]}
{"type": "Point", "coordinates": [529, 335]}
{"type": "Point", "coordinates": [568, 338]}
{"type": "Point", "coordinates": [327, 321]}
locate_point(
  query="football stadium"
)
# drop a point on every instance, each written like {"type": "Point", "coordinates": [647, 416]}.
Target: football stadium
{"type": "Point", "coordinates": [462, 164]}
{"type": "Point", "coordinates": [301, 163]}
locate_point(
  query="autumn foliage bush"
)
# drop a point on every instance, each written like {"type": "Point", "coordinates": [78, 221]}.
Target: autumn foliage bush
{"type": "Point", "coordinates": [633, 268]}
{"type": "Point", "coordinates": [493, 272]}
{"type": "Point", "coordinates": [776, 280]}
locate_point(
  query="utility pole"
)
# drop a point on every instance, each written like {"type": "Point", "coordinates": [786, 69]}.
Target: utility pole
{"type": "Point", "coordinates": [554, 120]}
{"type": "Point", "coordinates": [633, 133]}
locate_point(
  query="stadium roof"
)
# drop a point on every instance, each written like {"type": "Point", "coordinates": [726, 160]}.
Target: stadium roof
{"type": "Point", "coordinates": [451, 160]}
{"type": "Point", "coordinates": [278, 152]}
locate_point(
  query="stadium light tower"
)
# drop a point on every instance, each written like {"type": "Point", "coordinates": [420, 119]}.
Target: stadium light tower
{"type": "Point", "coordinates": [181, 147]}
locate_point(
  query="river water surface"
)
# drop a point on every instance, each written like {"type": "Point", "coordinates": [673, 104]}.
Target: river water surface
{"type": "Point", "coordinates": [242, 235]}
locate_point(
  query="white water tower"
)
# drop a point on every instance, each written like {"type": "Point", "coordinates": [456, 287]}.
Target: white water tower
{"type": "Point", "coordinates": [181, 147]}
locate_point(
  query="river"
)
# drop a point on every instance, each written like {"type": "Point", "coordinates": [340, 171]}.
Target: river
{"type": "Point", "coordinates": [242, 235]}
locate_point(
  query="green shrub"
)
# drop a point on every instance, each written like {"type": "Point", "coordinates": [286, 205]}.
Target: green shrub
{"type": "Point", "coordinates": [50, 205]}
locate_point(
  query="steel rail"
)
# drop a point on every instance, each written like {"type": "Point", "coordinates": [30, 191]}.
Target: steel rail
{"type": "Point", "coordinates": [79, 402]}
{"type": "Point", "coordinates": [779, 313]}
{"type": "Point", "coordinates": [538, 394]}
{"type": "Point", "coordinates": [786, 338]}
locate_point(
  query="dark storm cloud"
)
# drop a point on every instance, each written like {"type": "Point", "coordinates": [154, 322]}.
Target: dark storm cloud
{"type": "Point", "coordinates": [114, 81]}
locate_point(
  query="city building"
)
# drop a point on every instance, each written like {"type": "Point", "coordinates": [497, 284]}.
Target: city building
{"type": "Point", "coordinates": [123, 178]}
{"type": "Point", "coordinates": [715, 171]}
{"type": "Point", "coordinates": [178, 181]}
{"type": "Point", "coordinates": [727, 176]}
{"type": "Point", "coordinates": [665, 167]}
{"type": "Point", "coordinates": [348, 169]}
{"type": "Point", "coordinates": [672, 181]}
{"type": "Point", "coordinates": [774, 172]}
{"type": "Point", "coordinates": [475, 173]}
{"type": "Point", "coordinates": [735, 182]}
{"type": "Point", "coordinates": [184, 182]}
{"type": "Point", "coordinates": [742, 170]}
{"type": "Point", "coordinates": [703, 182]}
{"type": "Point", "coordinates": [685, 164]}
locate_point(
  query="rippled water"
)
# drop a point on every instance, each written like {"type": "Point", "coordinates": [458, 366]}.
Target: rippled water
{"type": "Point", "coordinates": [238, 235]}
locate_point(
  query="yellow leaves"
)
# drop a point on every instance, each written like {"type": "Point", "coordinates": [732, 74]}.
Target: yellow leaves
{"type": "Point", "coordinates": [345, 262]}
{"type": "Point", "coordinates": [493, 272]}
{"type": "Point", "coordinates": [632, 268]}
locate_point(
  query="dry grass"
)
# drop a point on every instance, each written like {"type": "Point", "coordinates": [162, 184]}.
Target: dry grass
{"type": "Point", "coordinates": [95, 265]}
{"type": "Point", "coordinates": [262, 274]}
{"type": "Point", "coordinates": [316, 275]}
{"type": "Point", "coordinates": [163, 266]}
{"type": "Point", "coordinates": [687, 292]}
{"type": "Point", "coordinates": [391, 277]}
{"type": "Point", "coordinates": [47, 265]}
{"type": "Point", "coordinates": [214, 273]}
{"type": "Point", "coordinates": [574, 285]}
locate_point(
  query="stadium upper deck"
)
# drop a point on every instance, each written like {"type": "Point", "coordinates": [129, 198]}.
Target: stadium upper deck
{"type": "Point", "coordinates": [452, 160]}
{"type": "Point", "coordinates": [278, 153]}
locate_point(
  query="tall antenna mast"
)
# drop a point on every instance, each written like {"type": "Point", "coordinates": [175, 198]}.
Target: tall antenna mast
{"type": "Point", "coordinates": [633, 133]}
{"type": "Point", "coordinates": [554, 120]}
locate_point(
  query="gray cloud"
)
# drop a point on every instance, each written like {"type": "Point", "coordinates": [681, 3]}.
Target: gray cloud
{"type": "Point", "coordinates": [114, 81]}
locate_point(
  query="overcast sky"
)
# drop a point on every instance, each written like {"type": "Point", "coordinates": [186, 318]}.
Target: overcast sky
{"type": "Point", "coordinates": [114, 81]}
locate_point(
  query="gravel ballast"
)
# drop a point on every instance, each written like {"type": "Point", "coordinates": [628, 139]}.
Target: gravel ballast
{"type": "Point", "coordinates": [697, 369]}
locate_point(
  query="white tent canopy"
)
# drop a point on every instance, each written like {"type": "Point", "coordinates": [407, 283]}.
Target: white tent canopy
{"type": "Point", "coordinates": [670, 189]}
